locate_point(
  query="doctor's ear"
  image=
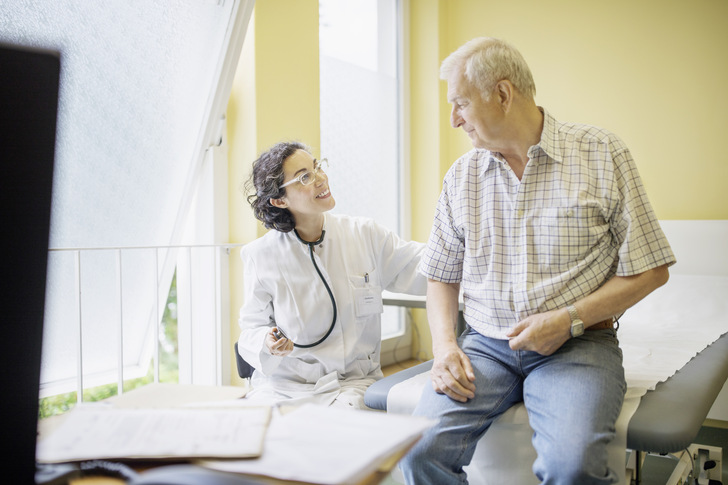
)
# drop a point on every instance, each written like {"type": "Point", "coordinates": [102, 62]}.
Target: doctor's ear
{"type": "Point", "coordinates": [280, 203]}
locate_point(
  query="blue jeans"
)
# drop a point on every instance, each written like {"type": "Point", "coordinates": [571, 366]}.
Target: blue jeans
{"type": "Point", "coordinates": [573, 398]}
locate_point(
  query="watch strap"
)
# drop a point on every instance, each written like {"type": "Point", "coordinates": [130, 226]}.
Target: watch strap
{"type": "Point", "coordinates": [573, 313]}
{"type": "Point", "coordinates": [577, 325]}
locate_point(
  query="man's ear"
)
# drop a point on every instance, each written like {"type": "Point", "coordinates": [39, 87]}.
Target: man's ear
{"type": "Point", "coordinates": [280, 203]}
{"type": "Point", "coordinates": [505, 92]}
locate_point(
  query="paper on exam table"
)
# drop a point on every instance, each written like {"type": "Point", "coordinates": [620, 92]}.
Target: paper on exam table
{"type": "Point", "coordinates": [661, 333]}
{"type": "Point", "coordinates": [101, 431]}
{"type": "Point", "coordinates": [325, 445]}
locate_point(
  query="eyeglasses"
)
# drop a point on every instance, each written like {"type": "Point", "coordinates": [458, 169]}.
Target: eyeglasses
{"type": "Point", "coordinates": [308, 177]}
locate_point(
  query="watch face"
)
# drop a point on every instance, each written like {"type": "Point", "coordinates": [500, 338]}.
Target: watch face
{"type": "Point", "coordinates": [577, 328]}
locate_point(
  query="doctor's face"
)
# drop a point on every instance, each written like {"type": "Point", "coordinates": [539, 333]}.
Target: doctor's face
{"type": "Point", "coordinates": [314, 198]}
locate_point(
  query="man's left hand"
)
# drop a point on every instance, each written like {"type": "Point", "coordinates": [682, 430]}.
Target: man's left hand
{"type": "Point", "coordinates": [544, 333]}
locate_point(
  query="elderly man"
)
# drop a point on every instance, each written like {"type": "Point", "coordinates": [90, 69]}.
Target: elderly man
{"type": "Point", "coordinates": [546, 228]}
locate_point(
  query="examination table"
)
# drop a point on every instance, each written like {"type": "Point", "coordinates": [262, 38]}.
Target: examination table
{"type": "Point", "coordinates": [675, 344]}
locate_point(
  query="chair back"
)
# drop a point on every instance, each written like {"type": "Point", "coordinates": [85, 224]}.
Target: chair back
{"type": "Point", "coordinates": [245, 370]}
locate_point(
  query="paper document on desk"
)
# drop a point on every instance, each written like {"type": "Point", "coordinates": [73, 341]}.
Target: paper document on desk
{"type": "Point", "coordinates": [324, 445]}
{"type": "Point", "coordinates": [166, 395]}
{"type": "Point", "coordinates": [98, 431]}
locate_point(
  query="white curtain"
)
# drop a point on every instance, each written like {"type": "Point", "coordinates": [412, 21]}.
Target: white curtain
{"type": "Point", "coordinates": [140, 100]}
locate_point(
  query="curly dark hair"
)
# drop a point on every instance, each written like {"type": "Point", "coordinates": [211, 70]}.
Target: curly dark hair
{"type": "Point", "coordinates": [265, 182]}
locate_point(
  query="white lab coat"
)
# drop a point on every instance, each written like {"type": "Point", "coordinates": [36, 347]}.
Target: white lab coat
{"type": "Point", "coordinates": [359, 259]}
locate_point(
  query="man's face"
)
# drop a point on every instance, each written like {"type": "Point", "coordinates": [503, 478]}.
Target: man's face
{"type": "Point", "coordinates": [482, 119]}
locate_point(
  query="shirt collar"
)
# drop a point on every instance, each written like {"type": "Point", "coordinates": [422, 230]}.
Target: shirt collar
{"type": "Point", "coordinates": [488, 158]}
{"type": "Point", "coordinates": [550, 142]}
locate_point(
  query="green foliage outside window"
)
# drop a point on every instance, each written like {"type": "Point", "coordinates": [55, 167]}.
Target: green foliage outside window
{"type": "Point", "coordinates": [168, 367]}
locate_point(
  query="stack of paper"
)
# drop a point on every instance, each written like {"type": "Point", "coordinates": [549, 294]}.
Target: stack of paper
{"type": "Point", "coordinates": [324, 445]}
{"type": "Point", "coordinates": [101, 432]}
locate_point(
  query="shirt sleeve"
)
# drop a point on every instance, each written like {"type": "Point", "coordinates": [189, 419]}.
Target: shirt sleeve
{"type": "Point", "coordinates": [397, 261]}
{"type": "Point", "coordinates": [642, 244]}
{"type": "Point", "coordinates": [256, 319]}
{"type": "Point", "coordinates": [445, 251]}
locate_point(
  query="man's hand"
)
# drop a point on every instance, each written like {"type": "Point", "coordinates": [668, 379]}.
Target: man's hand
{"type": "Point", "coordinates": [452, 374]}
{"type": "Point", "coordinates": [544, 333]}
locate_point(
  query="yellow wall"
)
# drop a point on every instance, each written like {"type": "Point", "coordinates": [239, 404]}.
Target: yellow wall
{"type": "Point", "coordinates": [652, 71]}
{"type": "Point", "coordinates": [275, 95]}
{"type": "Point", "coordinates": [428, 114]}
{"type": "Point", "coordinates": [274, 98]}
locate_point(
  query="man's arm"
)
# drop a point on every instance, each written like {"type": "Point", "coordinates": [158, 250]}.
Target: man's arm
{"type": "Point", "coordinates": [546, 332]}
{"type": "Point", "coordinates": [452, 373]}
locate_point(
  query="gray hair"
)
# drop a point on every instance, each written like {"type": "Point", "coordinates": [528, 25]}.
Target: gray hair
{"type": "Point", "coordinates": [486, 61]}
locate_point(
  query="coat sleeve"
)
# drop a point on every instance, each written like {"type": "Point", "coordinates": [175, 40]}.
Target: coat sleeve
{"type": "Point", "coordinates": [256, 319]}
{"type": "Point", "coordinates": [398, 261]}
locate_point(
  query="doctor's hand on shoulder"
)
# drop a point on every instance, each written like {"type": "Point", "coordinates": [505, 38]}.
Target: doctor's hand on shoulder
{"type": "Point", "coordinates": [278, 344]}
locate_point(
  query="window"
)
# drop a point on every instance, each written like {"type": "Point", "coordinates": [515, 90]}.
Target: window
{"type": "Point", "coordinates": [361, 114]}
{"type": "Point", "coordinates": [143, 92]}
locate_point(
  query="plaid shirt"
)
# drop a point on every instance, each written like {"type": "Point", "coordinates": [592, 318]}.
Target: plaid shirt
{"type": "Point", "coordinates": [578, 216]}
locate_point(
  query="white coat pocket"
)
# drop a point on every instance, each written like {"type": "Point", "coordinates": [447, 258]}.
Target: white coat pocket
{"type": "Point", "coordinates": [368, 301]}
{"type": "Point", "coordinates": [367, 295]}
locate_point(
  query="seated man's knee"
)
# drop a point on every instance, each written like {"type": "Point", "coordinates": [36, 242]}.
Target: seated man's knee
{"type": "Point", "coordinates": [569, 466]}
{"type": "Point", "coordinates": [434, 460]}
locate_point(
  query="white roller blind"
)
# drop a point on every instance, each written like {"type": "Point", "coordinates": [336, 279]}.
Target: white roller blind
{"type": "Point", "coordinates": [361, 114]}
{"type": "Point", "coordinates": [360, 107]}
{"type": "Point", "coordinates": [143, 90]}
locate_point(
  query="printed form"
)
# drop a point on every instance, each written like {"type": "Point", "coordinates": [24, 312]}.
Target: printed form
{"type": "Point", "coordinates": [101, 432]}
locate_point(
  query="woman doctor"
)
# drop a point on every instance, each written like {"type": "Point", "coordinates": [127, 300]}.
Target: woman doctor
{"type": "Point", "coordinates": [310, 324]}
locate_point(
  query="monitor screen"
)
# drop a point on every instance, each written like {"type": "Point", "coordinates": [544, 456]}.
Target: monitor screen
{"type": "Point", "coordinates": [29, 80]}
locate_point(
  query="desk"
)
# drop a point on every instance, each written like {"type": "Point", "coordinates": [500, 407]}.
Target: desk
{"type": "Point", "coordinates": [312, 433]}
{"type": "Point", "coordinates": [374, 479]}
{"type": "Point", "coordinates": [415, 301]}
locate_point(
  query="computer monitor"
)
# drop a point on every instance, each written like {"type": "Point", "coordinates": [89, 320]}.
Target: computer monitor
{"type": "Point", "coordinates": [29, 80]}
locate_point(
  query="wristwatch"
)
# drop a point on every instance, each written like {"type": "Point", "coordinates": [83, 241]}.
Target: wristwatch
{"type": "Point", "coordinates": [577, 326]}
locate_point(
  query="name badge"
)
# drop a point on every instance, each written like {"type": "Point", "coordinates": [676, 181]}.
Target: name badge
{"type": "Point", "coordinates": [368, 301]}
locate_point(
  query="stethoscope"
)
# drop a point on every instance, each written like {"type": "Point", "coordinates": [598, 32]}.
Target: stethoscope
{"type": "Point", "coordinates": [311, 245]}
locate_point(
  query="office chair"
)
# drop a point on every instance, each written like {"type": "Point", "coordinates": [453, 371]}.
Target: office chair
{"type": "Point", "coordinates": [245, 370]}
